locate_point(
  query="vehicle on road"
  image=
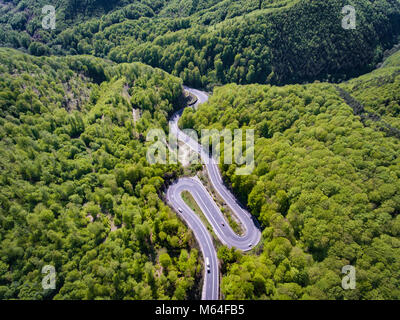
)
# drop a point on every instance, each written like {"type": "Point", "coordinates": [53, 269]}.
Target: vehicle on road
{"type": "Point", "coordinates": [208, 265]}
{"type": "Point", "coordinates": [208, 204]}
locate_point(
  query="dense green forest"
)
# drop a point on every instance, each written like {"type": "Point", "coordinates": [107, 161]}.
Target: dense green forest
{"type": "Point", "coordinates": [76, 103]}
{"type": "Point", "coordinates": [379, 91]}
{"type": "Point", "coordinates": [216, 42]}
{"type": "Point", "coordinates": [76, 191]}
{"type": "Point", "coordinates": [326, 188]}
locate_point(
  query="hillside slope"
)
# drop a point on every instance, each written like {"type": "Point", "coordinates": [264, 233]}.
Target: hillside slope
{"type": "Point", "coordinates": [296, 42]}
{"type": "Point", "coordinates": [326, 187]}
{"type": "Point", "coordinates": [76, 191]}
{"type": "Point", "coordinates": [379, 91]}
{"type": "Point", "coordinates": [244, 41]}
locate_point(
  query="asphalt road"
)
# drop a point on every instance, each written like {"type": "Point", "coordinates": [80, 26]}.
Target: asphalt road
{"type": "Point", "coordinates": [221, 228]}
{"type": "Point", "coordinates": [203, 237]}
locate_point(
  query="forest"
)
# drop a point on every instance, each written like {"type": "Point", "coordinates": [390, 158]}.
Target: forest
{"type": "Point", "coordinates": [76, 191]}
{"type": "Point", "coordinates": [326, 188]}
{"type": "Point", "coordinates": [208, 43]}
{"type": "Point", "coordinates": [76, 103]}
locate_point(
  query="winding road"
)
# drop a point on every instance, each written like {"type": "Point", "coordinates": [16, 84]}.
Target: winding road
{"type": "Point", "coordinates": [221, 228]}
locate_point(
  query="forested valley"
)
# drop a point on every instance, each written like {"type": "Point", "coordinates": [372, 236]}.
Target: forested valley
{"type": "Point", "coordinates": [326, 187]}
{"type": "Point", "coordinates": [77, 102]}
{"type": "Point", "coordinates": [209, 42]}
{"type": "Point", "coordinates": [76, 189]}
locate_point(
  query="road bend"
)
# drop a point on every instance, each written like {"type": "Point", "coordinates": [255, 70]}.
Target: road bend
{"type": "Point", "coordinates": [211, 211]}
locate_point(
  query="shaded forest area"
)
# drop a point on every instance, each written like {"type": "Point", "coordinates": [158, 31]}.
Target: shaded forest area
{"type": "Point", "coordinates": [208, 43]}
